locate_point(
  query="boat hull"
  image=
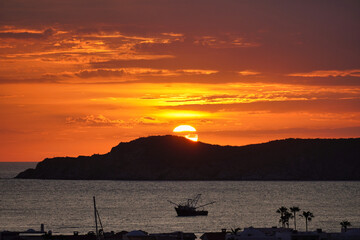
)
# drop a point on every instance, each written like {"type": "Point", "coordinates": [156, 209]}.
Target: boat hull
{"type": "Point", "coordinates": [181, 212]}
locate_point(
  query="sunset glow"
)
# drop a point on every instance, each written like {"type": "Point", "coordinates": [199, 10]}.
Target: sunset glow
{"type": "Point", "coordinates": [192, 137]}
{"type": "Point", "coordinates": [240, 73]}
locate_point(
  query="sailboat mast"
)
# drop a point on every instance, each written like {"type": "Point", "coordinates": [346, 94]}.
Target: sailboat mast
{"type": "Point", "coordinates": [95, 213]}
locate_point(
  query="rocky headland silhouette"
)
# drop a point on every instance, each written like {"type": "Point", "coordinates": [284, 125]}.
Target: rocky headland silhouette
{"type": "Point", "coordinates": [177, 158]}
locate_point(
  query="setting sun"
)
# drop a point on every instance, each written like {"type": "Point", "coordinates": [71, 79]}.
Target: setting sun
{"type": "Point", "coordinates": [184, 128]}
{"type": "Point", "coordinates": [187, 131]}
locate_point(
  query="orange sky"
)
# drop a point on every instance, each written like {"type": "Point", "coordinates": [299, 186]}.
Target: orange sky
{"type": "Point", "coordinates": [78, 77]}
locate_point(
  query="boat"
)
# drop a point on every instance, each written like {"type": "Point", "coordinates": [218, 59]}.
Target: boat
{"type": "Point", "coordinates": [99, 232]}
{"type": "Point", "coordinates": [190, 208]}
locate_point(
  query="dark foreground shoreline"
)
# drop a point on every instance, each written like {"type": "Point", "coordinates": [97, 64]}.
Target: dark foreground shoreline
{"type": "Point", "coordinates": [273, 233]}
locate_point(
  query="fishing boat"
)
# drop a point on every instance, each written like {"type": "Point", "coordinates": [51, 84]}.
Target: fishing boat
{"type": "Point", "coordinates": [190, 208]}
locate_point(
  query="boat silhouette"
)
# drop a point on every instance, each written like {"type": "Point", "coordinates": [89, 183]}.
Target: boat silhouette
{"type": "Point", "coordinates": [190, 208]}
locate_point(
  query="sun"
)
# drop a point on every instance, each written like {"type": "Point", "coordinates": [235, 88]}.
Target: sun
{"type": "Point", "coordinates": [184, 128]}
{"type": "Point", "coordinates": [187, 131]}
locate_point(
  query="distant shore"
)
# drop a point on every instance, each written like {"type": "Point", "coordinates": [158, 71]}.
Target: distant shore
{"type": "Point", "coordinates": [176, 158]}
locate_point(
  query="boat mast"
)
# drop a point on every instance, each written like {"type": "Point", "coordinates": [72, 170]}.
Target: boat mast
{"type": "Point", "coordinates": [205, 204]}
{"type": "Point", "coordinates": [99, 232]}
{"type": "Point", "coordinates": [95, 213]}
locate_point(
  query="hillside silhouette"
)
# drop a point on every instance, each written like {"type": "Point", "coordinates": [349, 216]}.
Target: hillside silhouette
{"type": "Point", "coordinates": [177, 158]}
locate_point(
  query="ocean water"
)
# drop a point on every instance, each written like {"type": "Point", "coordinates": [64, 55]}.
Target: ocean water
{"type": "Point", "coordinates": [65, 206]}
{"type": "Point", "coordinates": [11, 169]}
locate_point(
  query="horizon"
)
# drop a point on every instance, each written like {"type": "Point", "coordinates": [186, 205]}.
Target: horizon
{"type": "Point", "coordinates": [79, 78]}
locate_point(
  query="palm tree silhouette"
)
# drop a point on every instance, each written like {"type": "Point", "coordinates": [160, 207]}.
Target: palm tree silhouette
{"type": "Point", "coordinates": [345, 224]}
{"type": "Point", "coordinates": [294, 209]}
{"type": "Point", "coordinates": [308, 217]}
{"type": "Point", "coordinates": [284, 216]}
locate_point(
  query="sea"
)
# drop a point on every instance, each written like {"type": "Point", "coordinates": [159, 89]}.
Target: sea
{"type": "Point", "coordinates": [65, 206]}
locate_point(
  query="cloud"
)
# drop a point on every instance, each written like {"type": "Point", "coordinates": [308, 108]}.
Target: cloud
{"type": "Point", "coordinates": [207, 98]}
{"type": "Point", "coordinates": [210, 35]}
{"type": "Point", "coordinates": [26, 80]}
{"type": "Point", "coordinates": [76, 46]}
{"type": "Point", "coordinates": [225, 41]}
{"type": "Point", "coordinates": [103, 73]}
{"type": "Point", "coordinates": [26, 34]}
{"type": "Point", "coordinates": [146, 120]}
{"type": "Point", "coordinates": [196, 71]}
{"type": "Point", "coordinates": [94, 121]}
{"type": "Point", "coordinates": [273, 134]}
{"type": "Point", "coordinates": [248, 73]}
{"type": "Point", "coordinates": [124, 72]}
{"type": "Point", "coordinates": [321, 106]}
{"type": "Point", "coordinates": [173, 34]}
{"type": "Point", "coordinates": [328, 73]}
{"type": "Point", "coordinates": [102, 121]}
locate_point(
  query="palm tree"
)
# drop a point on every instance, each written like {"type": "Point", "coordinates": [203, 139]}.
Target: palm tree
{"type": "Point", "coordinates": [285, 219]}
{"type": "Point", "coordinates": [345, 224]}
{"type": "Point", "coordinates": [294, 210]}
{"type": "Point", "coordinates": [308, 217]}
{"type": "Point", "coordinates": [284, 215]}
